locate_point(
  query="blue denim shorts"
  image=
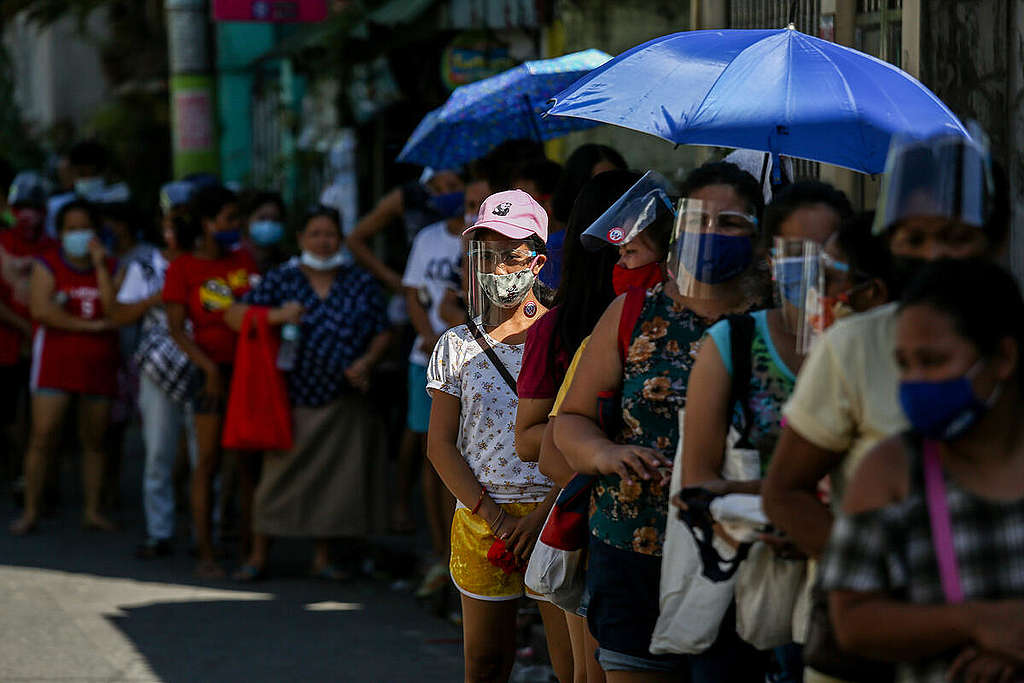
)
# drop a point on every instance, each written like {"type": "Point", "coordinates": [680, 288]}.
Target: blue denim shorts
{"type": "Point", "coordinates": [623, 609]}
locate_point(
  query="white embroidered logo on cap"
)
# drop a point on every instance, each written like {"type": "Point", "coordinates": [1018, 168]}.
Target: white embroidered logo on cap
{"type": "Point", "coordinates": [502, 209]}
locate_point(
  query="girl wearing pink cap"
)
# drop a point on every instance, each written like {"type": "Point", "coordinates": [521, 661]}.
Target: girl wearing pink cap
{"type": "Point", "coordinates": [502, 501]}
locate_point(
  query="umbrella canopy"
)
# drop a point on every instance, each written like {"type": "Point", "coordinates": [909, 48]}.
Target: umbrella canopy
{"type": "Point", "coordinates": [480, 116]}
{"type": "Point", "coordinates": [778, 91]}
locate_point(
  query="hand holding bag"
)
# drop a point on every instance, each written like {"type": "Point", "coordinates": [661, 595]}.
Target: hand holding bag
{"type": "Point", "coordinates": [258, 416]}
{"type": "Point", "coordinates": [698, 568]}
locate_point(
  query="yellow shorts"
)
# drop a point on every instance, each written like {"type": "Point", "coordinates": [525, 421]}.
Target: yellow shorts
{"type": "Point", "coordinates": [472, 572]}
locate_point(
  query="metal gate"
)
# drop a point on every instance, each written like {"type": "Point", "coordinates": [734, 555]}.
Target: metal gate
{"type": "Point", "coordinates": [775, 14]}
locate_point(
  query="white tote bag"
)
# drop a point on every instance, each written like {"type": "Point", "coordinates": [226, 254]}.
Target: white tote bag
{"type": "Point", "coordinates": [556, 574]}
{"type": "Point", "coordinates": [768, 591]}
{"type": "Point", "coordinates": [691, 604]}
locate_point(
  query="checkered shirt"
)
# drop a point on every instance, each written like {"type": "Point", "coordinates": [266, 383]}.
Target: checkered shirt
{"type": "Point", "coordinates": [890, 550]}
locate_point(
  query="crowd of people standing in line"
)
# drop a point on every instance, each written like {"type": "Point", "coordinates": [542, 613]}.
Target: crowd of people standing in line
{"type": "Point", "coordinates": [856, 375]}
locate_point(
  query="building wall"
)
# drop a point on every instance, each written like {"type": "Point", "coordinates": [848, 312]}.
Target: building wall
{"type": "Point", "coordinates": [615, 26]}
{"type": "Point", "coordinates": [57, 71]}
{"type": "Point", "coordinates": [971, 58]}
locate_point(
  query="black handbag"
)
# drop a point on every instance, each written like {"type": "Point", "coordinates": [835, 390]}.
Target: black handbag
{"type": "Point", "coordinates": [823, 654]}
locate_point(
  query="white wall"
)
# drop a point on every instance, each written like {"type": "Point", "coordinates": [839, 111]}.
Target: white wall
{"type": "Point", "coordinates": [57, 72]}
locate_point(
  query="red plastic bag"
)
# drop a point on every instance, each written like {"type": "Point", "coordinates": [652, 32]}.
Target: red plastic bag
{"type": "Point", "coordinates": [501, 557]}
{"type": "Point", "coordinates": [259, 417]}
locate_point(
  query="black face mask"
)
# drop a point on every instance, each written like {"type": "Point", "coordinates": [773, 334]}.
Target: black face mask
{"type": "Point", "coordinates": [904, 270]}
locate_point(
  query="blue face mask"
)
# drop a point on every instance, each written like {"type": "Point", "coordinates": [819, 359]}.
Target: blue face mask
{"type": "Point", "coordinates": [227, 238]}
{"type": "Point", "coordinates": [266, 233]}
{"type": "Point", "coordinates": [946, 410]}
{"type": "Point", "coordinates": [720, 258]}
{"type": "Point", "coordinates": [788, 273]}
{"type": "Point", "coordinates": [76, 242]}
{"type": "Point", "coordinates": [448, 205]}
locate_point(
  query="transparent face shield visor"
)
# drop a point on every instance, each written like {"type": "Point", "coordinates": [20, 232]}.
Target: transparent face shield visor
{"type": "Point", "coordinates": [501, 275]}
{"type": "Point", "coordinates": [798, 276]}
{"type": "Point", "coordinates": [711, 245]}
{"type": "Point", "coordinates": [946, 177]}
{"type": "Point", "coordinates": [640, 206]}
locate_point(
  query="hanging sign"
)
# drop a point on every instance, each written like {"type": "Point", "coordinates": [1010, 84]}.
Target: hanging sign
{"type": "Point", "coordinates": [274, 11]}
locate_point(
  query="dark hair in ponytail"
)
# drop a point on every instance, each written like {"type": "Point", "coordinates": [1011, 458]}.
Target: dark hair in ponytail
{"type": "Point", "coordinates": [585, 287]}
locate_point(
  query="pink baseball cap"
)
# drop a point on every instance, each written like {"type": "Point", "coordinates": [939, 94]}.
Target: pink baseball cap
{"type": "Point", "coordinates": [514, 214]}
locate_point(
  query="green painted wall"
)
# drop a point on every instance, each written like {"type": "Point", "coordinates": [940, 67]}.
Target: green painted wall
{"type": "Point", "coordinates": [239, 44]}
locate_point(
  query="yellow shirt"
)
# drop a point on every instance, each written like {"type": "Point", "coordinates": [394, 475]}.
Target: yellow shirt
{"type": "Point", "coordinates": [567, 382]}
{"type": "Point", "coordinates": [847, 393]}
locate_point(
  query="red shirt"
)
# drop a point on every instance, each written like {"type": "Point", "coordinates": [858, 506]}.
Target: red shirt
{"type": "Point", "coordinates": [207, 287]}
{"type": "Point", "coordinates": [536, 378]}
{"type": "Point", "coordinates": [17, 253]}
{"type": "Point", "coordinates": [76, 362]}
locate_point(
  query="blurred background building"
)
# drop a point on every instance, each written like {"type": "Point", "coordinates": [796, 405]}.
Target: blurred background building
{"type": "Point", "coordinates": [302, 106]}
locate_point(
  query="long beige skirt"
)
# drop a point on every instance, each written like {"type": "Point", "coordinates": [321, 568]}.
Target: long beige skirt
{"type": "Point", "coordinates": [332, 482]}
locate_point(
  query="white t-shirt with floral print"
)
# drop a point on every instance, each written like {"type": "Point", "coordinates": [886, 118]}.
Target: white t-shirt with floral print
{"type": "Point", "coordinates": [487, 418]}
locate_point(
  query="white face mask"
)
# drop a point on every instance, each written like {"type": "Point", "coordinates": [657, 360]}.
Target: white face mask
{"type": "Point", "coordinates": [509, 290]}
{"type": "Point", "coordinates": [310, 260]}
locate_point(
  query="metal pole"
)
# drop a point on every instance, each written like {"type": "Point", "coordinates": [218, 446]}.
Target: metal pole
{"type": "Point", "coordinates": [192, 92]}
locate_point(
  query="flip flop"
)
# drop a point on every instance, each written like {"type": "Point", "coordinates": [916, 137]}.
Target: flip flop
{"type": "Point", "coordinates": [330, 573]}
{"type": "Point", "coordinates": [248, 573]}
{"type": "Point", "coordinates": [210, 570]}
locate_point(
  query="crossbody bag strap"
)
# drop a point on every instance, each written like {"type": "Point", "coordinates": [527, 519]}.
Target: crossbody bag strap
{"type": "Point", "coordinates": [741, 342]}
{"type": "Point", "coordinates": [942, 528]}
{"type": "Point", "coordinates": [481, 340]}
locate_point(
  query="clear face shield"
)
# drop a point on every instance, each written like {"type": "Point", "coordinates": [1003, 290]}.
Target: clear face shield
{"type": "Point", "coordinates": [711, 245]}
{"type": "Point", "coordinates": [641, 205]}
{"type": "Point", "coordinates": [799, 280]}
{"type": "Point", "coordinates": [501, 277]}
{"type": "Point", "coordinates": [947, 177]}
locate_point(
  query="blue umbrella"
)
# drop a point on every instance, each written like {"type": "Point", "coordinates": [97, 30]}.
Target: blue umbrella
{"type": "Point", "coordinates": [778, 91]}
{"type": "Point", "coordinates": [480, 116]}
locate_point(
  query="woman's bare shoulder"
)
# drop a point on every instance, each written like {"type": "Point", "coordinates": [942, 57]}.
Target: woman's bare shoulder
{"type": "Point", "coordinates": [881, 479]}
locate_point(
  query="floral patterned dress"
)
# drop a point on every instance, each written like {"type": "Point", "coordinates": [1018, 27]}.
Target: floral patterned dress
{"type": "Point", "coordinates": [655, 374]}
{"type": "Point", "coordinates": [771, 383]}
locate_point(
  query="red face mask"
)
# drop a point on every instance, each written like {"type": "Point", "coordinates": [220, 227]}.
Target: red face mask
{"type": "Point", "coordinates": [644, 277]}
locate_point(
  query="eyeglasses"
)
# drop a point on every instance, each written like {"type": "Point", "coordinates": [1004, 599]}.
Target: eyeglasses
{"type": "Point", "coordinates": [510, 258]}
{"type": "Point", "coordinates": [728, 222]}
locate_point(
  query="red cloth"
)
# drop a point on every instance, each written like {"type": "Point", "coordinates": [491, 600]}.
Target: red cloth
{"type": "Point", "coordinates": [207, 287]}
{"type": "Point", "coordinates": [17, 254]}
{"type": "Point", "coordinates": [76, 362]}
{"type": "Point", "coordinates": [536, 379]}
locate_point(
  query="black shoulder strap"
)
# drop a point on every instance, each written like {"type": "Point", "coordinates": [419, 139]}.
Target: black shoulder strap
{"type": "Point", "coordinates": [481, 340]}
{"type": "Point", "coordinates": [741, 342]}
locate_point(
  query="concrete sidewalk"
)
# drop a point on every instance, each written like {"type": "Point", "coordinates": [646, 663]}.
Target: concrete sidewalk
{"type": "Point", "coordinates": [77, 606]}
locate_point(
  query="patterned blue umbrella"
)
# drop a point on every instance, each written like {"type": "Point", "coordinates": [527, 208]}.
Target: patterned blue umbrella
{"type": "Point", "coordinates": [480, 116]}
{"type": "Point", "coordinates": [777, 91]}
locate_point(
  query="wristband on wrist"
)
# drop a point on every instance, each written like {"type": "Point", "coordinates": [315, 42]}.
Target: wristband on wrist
{"type": "Point", "coordinates": [480, 500]}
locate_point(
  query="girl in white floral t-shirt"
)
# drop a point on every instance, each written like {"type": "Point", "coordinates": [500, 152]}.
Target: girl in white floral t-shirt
{"type": "Point", "coordinates": [503, 501]}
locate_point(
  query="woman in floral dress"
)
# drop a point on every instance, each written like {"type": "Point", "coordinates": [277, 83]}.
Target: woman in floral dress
{"type": "Point", "coordinates": [630, 496]}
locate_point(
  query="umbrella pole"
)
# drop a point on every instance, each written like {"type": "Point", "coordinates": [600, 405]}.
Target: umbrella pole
{"type": "Point", "coordinates": [534, 124]}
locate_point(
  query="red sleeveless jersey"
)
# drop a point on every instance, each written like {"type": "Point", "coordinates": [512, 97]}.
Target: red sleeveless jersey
{"type": "Point", "coordinates": [76, 362]}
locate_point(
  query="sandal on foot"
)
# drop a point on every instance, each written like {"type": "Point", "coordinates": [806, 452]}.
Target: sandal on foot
{"type": "Point", "coordinates": [98, 523]}
{"type": "Point", "coordinates": [329, 572]}
{"type": "Point", "coordinates": [248, 573]}
{"type": "Point", "coordinates": [210, 570]}
{"type": "Point", "coordinates": [22, 526]}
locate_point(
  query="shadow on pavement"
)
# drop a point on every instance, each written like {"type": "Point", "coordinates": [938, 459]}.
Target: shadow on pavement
{"type": "Point", "coordinates": [359, 631]}
{"type": "Point", "coordinates": [282, 640]}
